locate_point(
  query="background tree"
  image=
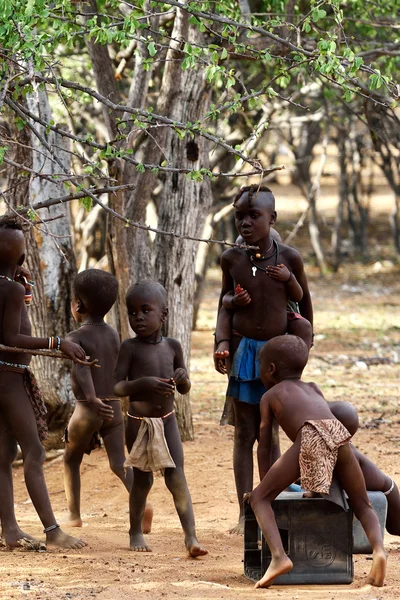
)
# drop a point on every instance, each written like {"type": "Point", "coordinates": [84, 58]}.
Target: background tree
{"type": "Point", "coordinates": [166, 105]}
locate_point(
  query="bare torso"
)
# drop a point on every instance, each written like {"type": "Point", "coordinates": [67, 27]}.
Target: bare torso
{"type": "Point", "coordinates": [25, 326]}
{"type": "Point", "coordinates": [150, 360]}
{"type": "Point", "coordinates": [293, 402]}
{"type": "Point", "coordinates": [265, 317]}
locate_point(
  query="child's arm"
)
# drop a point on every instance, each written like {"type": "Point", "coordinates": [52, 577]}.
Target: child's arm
{"type": "Point", "coordinates": [282, 273]}
{"type": "Point", "coordinates": [240, 298]}
{"type": "Point", "coordinates": [180, 375]}
{"type": "Point", "coordinates": [12, 325]}
{"type": "Point", "coordinates": [137, 387]}
{"type": "Point", "coordinates": [266, 434]}
{"type": "Point", "coordinates": [83, 377]}
{"type": "Point", "coordinates": [305, 303]}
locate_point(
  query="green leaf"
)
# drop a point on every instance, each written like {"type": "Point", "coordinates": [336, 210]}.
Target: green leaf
{"type": "Point", "coordinates": [224, 53]}
{"type": "Point", "coordinates": [152, 49]}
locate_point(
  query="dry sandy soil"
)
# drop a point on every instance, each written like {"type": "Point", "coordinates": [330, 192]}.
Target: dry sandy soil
{"type": "Point", "coordinates": [357, 318]}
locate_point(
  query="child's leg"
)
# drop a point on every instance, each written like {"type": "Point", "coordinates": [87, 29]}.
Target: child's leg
{"type": "Point", "coordinates": [138, 509]}
{"type": "Point", "coordinates": [352, 480]}
{"type": "Point", "coordinates": [282, 473]}
{"type": "Point", "coordinates": [176, 482]}
{"type": "Point", "coordinates": [113, 437]}
{"type": "Point", "coordinates": [346, 414]}
{"type": "Point", "coordinates": [222, 339]}
{"type": "Point", "coordinates": [302, 328]}
{"type": "Point", "coordinates": [247, 427]}
{"type": "Point", "coordinates": [11, 532]}
{"type": "Point", "coordinates": [18, 414]}
{"type": "Point", "coordinates": [376, 480]}
{"type": "Point", "coordinates": [81, 427]}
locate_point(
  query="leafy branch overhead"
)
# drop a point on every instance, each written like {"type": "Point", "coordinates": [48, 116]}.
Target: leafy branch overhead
{"type": "Point", "coordinates": [350, 46]}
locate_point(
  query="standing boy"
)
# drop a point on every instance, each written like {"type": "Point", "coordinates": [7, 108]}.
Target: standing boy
{"type": "Point", "coordinates": [320, 445]}
{"type": "Point", "coordinates": [21, 407]}
{"type": "Point", "coordinates": [97, 411]}
{"type": "Point", "coordinates": [149, 368]}
{"type": "Point", "coordinates": [257, 321]}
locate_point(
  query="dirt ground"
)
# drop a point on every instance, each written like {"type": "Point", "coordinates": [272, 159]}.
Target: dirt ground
{"type": "Point", "coordinates": [357, 324]}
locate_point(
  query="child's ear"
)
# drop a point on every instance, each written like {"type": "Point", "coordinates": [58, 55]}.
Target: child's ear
{"type": "Point", "coordinates": [164, 315]}
{"type": "Point", "coordinates": [272, 368]}
{"type": "Point", "coordinates": [80, 307]}
{"type": "Point", "coordinates": [273, 218]}
{"type": "Point", "coordinates": [21, 260]}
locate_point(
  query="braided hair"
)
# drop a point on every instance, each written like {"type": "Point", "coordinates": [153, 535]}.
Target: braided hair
{"type": "Point", "coordinates": [252, 191]}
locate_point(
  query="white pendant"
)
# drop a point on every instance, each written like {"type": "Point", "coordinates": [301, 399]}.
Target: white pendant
{"type": "Point", "coordinates": [254, 269]}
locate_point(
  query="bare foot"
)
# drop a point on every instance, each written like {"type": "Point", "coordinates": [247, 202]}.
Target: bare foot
{"type": "Point", "coordinates": [309, 494]}
{"type": "Point", "coordinates": [74, 522]}
{"type": "Point", "coordinates": [222, 350]}
{"type": "Point", "coordinates": [276, 568]}
{"type": "Point", "coordinates": [377, 574]}
{"type": "Point", "coordinates": [137, 543]}
{"type": "Point", "coordinates": [147, 518]}
{"type": "Point", "coordinates": [239, 528]}
{"type": "Point", "coordinates": [194, 549]}
{"type": "Point", "coordinates": [12, 538]}
{"type": "Point", "coordinates": [58, 539]}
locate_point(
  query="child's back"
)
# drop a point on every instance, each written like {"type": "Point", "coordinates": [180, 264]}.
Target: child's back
{"type": "Point", "coordinates": [97, 412]}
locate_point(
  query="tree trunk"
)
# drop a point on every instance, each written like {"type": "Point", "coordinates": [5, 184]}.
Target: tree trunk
{"type": "Point", "coordinates": [51, 260]}
{"type": "Point", "coordinates": [184, 206]}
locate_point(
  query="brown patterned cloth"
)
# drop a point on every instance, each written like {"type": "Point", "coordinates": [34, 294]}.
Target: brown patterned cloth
{"type": "Point", "coordinates": [34, 395]}
{"type": "Point", "coordinates": [320, 442]}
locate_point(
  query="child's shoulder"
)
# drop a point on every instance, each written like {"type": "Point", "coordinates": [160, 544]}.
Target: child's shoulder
{"type": "Point", "coordinates": [173, 343]}
{"type": "Point", "coordinates": [288, 252]}
{"type": "Point", "coordinates": [231, 255]}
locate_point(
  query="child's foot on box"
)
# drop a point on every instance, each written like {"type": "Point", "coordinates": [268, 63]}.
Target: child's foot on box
{"type": "Point", "coordinates": [276, 568]}
{"type": "Point", "coordinates": [57, 538]}
{"type": "Point", "coordinates": [147, 518]}
{"type": "Point", "coordinates": [194, 549]}
{"type": "Point", "coordinates": [222, 349]}
{"type": "Point", "coordinates": [137, 543]}
{"type": "Point", "coordinates": [377, 574]}
{"type": "Point", "coordinates": [239, 528]}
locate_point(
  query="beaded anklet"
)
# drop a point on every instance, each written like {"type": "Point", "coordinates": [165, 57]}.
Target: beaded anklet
{"type": "Point", "coordinates": [51, 528]}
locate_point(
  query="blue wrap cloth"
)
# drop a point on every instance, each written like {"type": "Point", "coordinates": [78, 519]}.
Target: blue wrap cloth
{"type": "Point", "coordinates": [244, 381]}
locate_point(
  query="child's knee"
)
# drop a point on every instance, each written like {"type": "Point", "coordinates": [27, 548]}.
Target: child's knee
{"type": "Point", "coordinates": [34, 456]}
{"type": "Point", "coordinates": [175, 478]}
{"type": "Point", "coordinates": [302, 328]}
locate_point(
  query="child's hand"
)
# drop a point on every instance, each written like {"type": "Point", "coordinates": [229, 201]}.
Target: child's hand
{"type": "Point", "coordinates": [74, 351]}
{"type": "Point", "coordinates": [180, 376]}
{"type": "Point", "coordinates": [165, 387]}
{"type": "Point", "coordinates": [241, 297]}
{"type": "Point", "coordinates": [280, 273]}
{"type": "Point", "coordinates": [103, 410]}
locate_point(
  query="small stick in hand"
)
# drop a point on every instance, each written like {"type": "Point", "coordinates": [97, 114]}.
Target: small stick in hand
{"type": "Point", "coordinates": [50, 354]}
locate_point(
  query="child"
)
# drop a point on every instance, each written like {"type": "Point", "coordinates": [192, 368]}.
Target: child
{"type": "Point", "coordinates": [149, 368]}
{"type": "Point", "coordinates": [97, 411]}
{"type": "Point", "coordinates": [257, 321]}
{"type": "Point", "coordinates": [297, 325]}
{"type": "Point", "coordinates": [320, 445]}
{"type": "Point", "coordinates": [21, 407]}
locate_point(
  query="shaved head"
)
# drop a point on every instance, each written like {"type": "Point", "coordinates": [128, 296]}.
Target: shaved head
{"type": "Point", "coordinates": [151, 289]}
{"type": "Point", "coordinates": [289, 354]}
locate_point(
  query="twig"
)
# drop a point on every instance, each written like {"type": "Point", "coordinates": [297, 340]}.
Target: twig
{"type": "Point", "coordinates": [50, 354]}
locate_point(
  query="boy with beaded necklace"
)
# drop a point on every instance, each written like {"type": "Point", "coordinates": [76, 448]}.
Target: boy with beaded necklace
{"type": "Point", "coordinates": [21, 406]}
{"type": "Point", "coordinates": [267, 277]}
